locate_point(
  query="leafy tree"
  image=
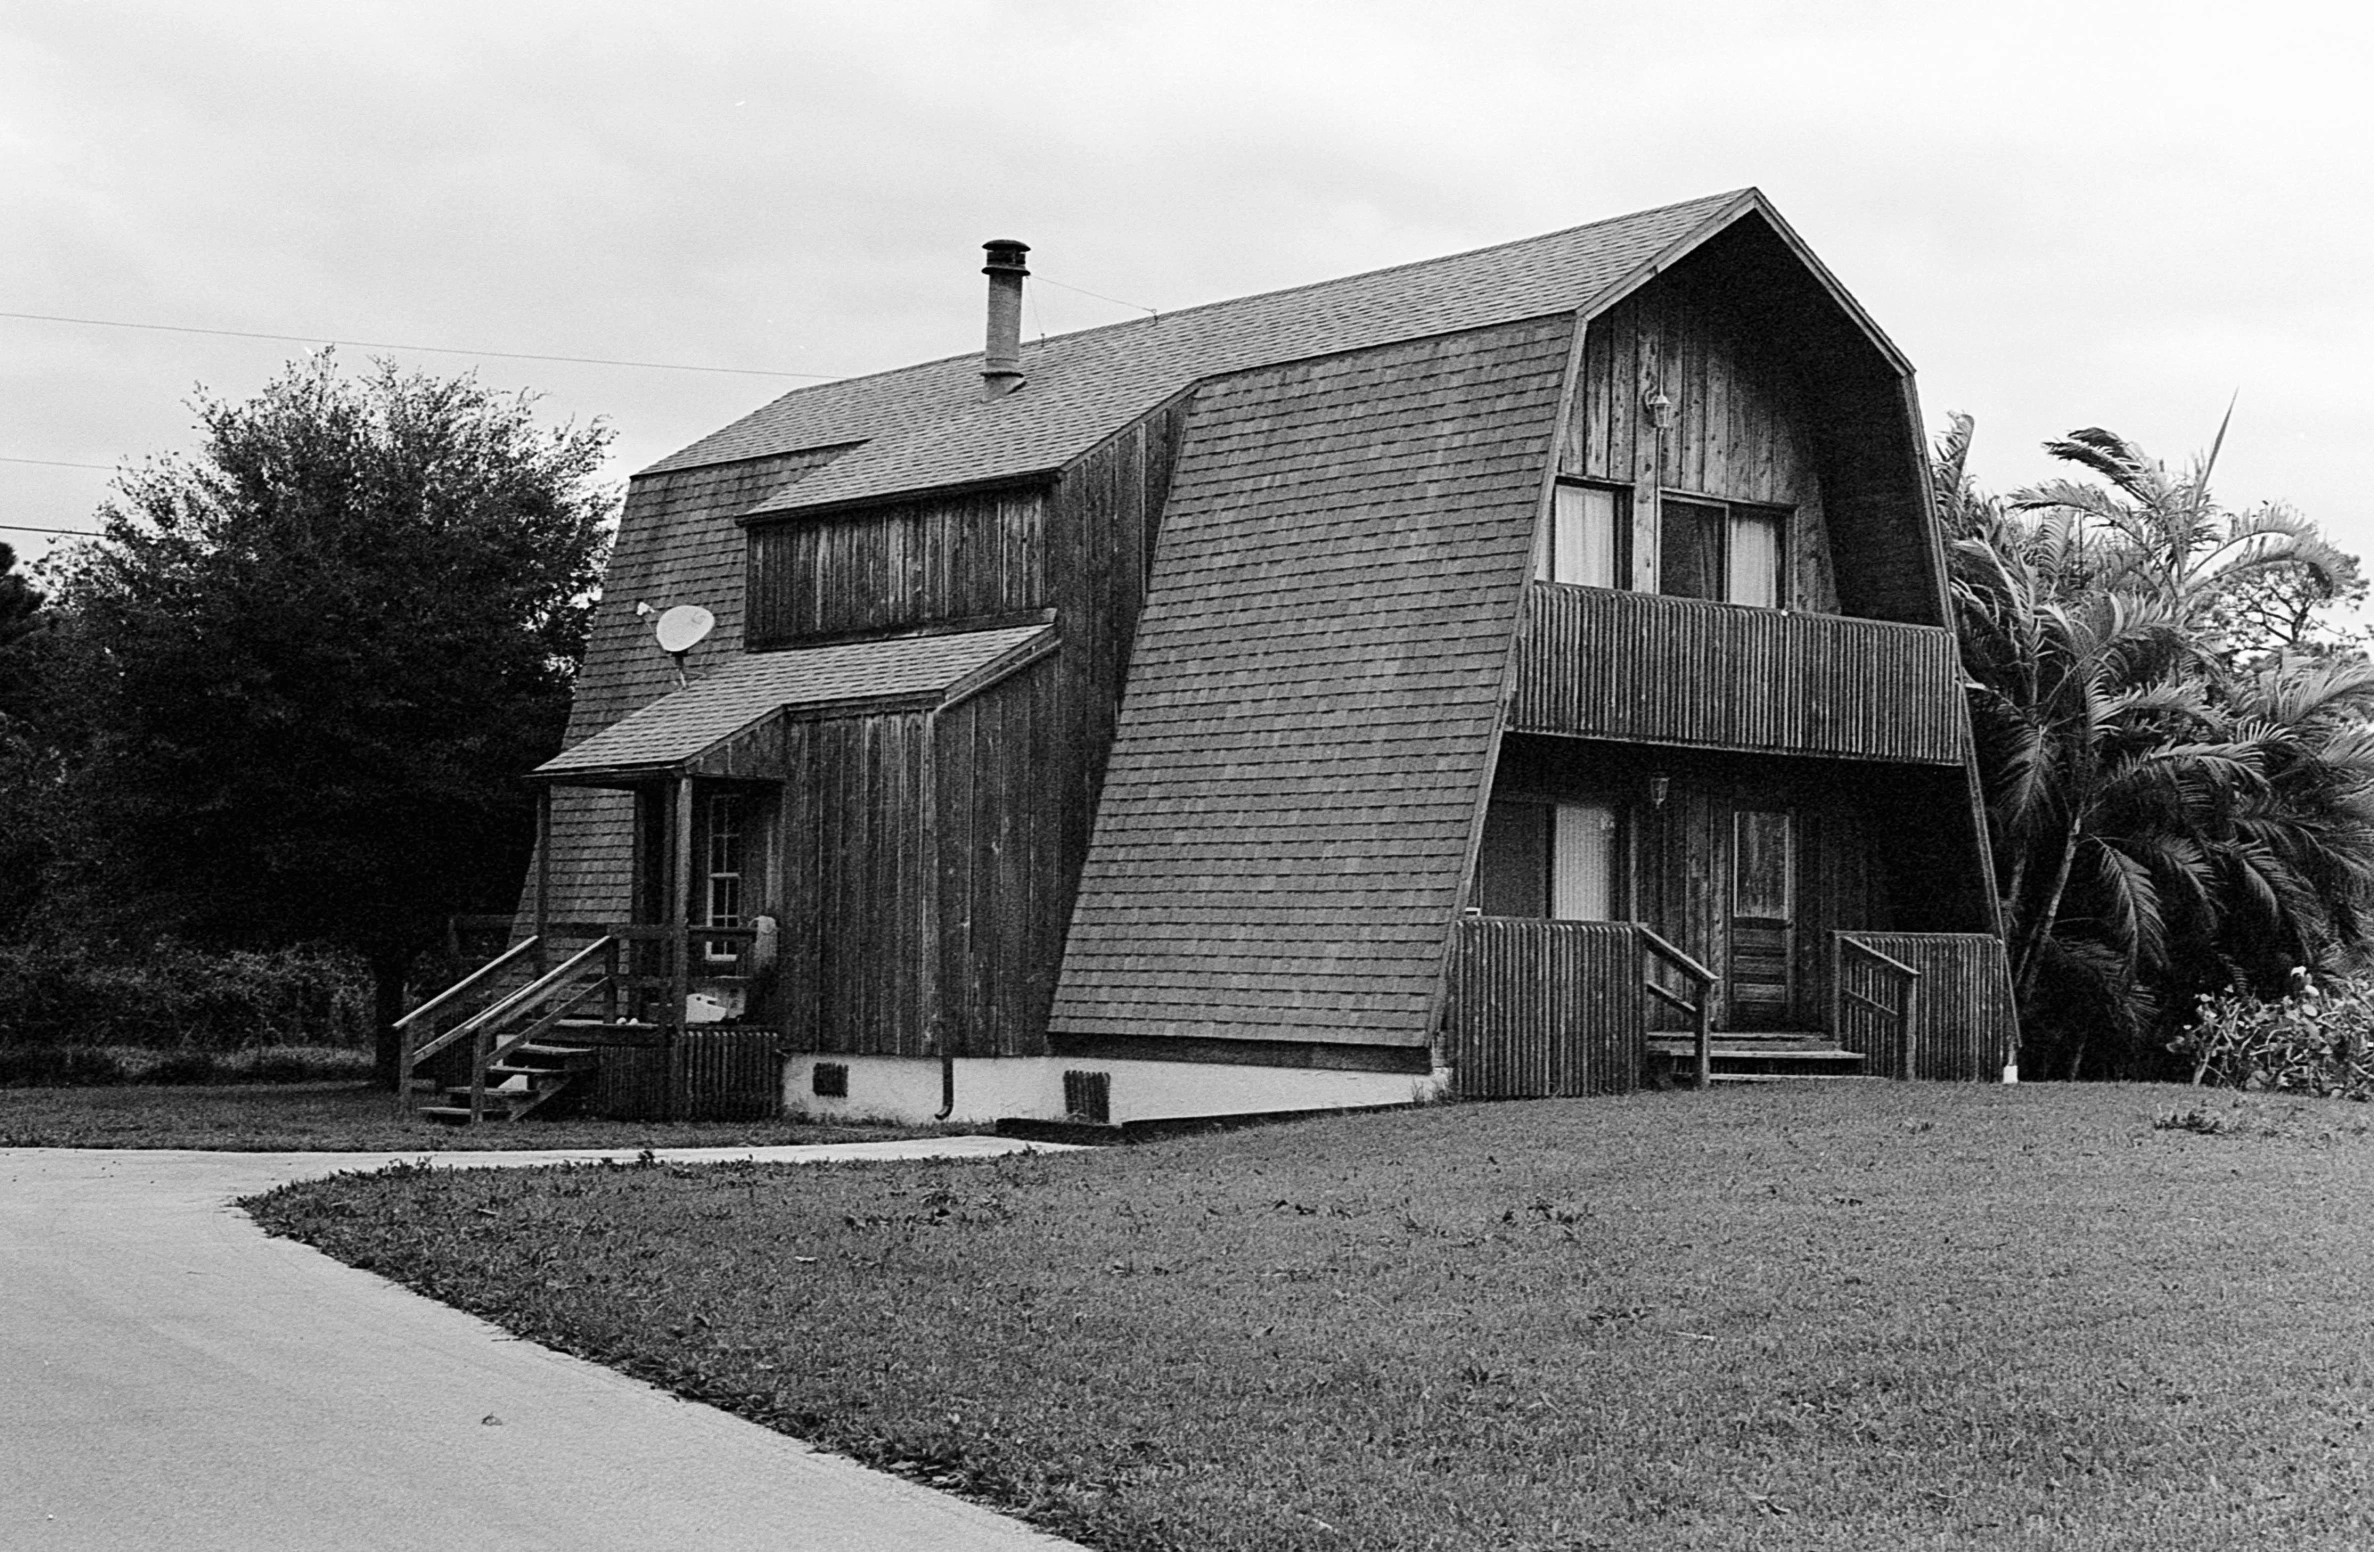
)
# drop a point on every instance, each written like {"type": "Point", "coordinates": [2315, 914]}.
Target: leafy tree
{"type": "Point", "coordinates": [319, 653]}
{"type": "Point", "coordinates": [2166, 820]}
{"type": "Point", "coordinates": [29, 769]}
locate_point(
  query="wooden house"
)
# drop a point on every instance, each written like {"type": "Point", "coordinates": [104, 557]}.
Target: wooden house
{"type": "Point", "coordinates": [1494, 676]}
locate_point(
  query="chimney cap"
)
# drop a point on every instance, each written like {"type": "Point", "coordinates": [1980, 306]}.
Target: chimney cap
{"type": "Point", "coordinates": [1005, 255]}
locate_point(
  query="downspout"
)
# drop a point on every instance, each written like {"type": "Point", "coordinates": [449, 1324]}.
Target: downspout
{"type": "Point", "coordinates": [935, 1029]}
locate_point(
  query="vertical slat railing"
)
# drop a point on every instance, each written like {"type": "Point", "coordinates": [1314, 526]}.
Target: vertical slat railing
{"type": "Point", "coordinates": [1596, 662]}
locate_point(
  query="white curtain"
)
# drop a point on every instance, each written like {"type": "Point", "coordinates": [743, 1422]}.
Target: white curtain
{"type": "Point", "coordinates": [1755, 559]}
{"type": "Point", "coordinates": [1583, 863]}
{"type": "Point", "coordinates": [1583, 537]}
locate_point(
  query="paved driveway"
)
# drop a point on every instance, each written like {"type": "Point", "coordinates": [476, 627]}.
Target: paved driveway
{"type": "Point", "coordinates": [171, 1378]}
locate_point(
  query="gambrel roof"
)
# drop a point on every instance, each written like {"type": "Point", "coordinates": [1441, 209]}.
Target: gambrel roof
{"type": "Point", "coordinates": [1286, 818]}
{"type": "Point", "coordinates": [927, 427]}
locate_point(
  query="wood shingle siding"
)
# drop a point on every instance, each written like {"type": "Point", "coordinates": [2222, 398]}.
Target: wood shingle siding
{"type": "Point", "coordinates": [1286, 816]}
{"type": "Point", "coordinates": [1634, 666]}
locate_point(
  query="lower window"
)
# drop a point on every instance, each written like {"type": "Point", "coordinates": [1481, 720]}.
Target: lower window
{"type": "Point", "coordinates": [1559, 860]}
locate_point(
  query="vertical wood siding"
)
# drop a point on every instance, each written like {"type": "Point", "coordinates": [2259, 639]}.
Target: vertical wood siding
{"type": "Point", "coordinates": [729, 1075]}
{"type": "Point", "coordinates": [1740, 427]}
{"type": "Point", "coordinates": [1543, 1008]}
{"type": "Point", "coordinates": [852, 837]}
{"type": "Point", "coordinates": [1595, 663]}
{"type": "Point", "coordinates": [912, 564]}
{"type": "Point", "coordinates": [1968, 1023]}
{"type": "Point", "coordinates": [1016, 770]}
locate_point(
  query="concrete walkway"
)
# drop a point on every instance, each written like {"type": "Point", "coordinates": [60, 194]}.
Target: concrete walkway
{"type": "Point", "coordinates": [172, 1378]}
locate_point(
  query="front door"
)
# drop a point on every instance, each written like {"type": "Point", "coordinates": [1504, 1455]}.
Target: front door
{"type": "Point", "coordinates": [1763, 917]}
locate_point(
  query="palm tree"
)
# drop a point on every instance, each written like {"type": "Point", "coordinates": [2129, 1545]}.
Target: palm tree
{"type": "Point", "coordinates": [2162, 824]}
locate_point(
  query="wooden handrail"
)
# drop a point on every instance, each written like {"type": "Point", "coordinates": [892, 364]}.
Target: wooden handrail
{"type": "Point", "coordinates": [1699, 1006]}
{"type": "Point", "coordinates": [1674, 956]}
{"type": "Point", "coordinates": [534, 991]}
{"type": "Point", "coordinates": [1906, 1012]}
{"type": "Point", "coordinates": [434, 1004]}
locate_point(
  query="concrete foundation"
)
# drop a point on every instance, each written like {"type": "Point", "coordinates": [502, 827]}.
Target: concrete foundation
{"type": "Point", "coordinates": [907, 1089]}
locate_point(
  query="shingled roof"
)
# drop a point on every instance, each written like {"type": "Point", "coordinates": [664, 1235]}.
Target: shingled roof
{"type": "Point", "coordinates": [1302, 750]}
{"type": "Point", "coordinates": [927, 426]}
{"type": "Point", "coordinates": [683, 726]}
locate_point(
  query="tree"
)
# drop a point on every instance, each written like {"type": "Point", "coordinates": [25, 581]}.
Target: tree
{"type": "Point", "coordinates": [2167, 819]}
{"type": "Point", "coordinates": [29, 768]}
{"type": "Point", "coordinates": [319, 654]}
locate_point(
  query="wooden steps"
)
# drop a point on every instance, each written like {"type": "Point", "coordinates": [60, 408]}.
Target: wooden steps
{"type": "Point", "coordinates": [1752, 1056]}
{"type": "Point", "coordinates": [531, 1077]}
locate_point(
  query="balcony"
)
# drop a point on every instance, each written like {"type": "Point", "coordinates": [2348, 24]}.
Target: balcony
{"type": "Point", "coordinates": [1640, 668]}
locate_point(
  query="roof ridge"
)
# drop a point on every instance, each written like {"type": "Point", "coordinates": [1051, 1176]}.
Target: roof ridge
{"type": "Point", "coordinates": [1710, 200]}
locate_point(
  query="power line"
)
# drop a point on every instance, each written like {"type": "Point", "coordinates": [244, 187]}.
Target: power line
{"type": "Point", "coordinates": [439, 350]}
{"type": "Point", "coordinates": [87, 533]}
{"type": "Point", "coordinates": [1151, 312]}
{"type": "Point", "coordinates": [58, 463]}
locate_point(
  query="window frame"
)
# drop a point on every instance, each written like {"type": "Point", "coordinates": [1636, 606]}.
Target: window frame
{"type": "Point", "coordinates": [1620, 546]}
{"type": "Point", "coordinates": [1784, 522]}
{"type": "Point", "coordinates": [1543, 864]}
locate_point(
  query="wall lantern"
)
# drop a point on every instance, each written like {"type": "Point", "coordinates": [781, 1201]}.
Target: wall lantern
{"type": "Point", "coordinates": [1660, 409]}
{"type": "Point", "coordinates": [1659, 785]}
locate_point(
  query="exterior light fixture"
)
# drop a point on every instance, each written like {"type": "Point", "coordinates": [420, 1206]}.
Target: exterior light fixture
{"type": "Point", "coordinates": [1659, 785]}
{"type": "Point", "coordinates": [1660, 409]}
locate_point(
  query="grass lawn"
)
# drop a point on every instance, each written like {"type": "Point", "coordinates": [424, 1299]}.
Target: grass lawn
{"type": "Point", "coordinates": [302, 1116]}
{"type": "Point", "coordinates": [1803, 1316]}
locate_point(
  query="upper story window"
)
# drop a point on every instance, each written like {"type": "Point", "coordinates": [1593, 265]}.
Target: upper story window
{"type": "Point", "coordinates": [1721, 550]}
{"type": "Point", "coordinates": [1589, 539]}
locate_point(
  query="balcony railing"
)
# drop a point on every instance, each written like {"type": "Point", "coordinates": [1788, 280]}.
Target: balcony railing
{"type": "Point", "coordinates": [1640, 668]}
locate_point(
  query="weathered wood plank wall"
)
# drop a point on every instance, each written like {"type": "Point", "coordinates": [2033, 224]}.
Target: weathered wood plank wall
{"type": "Point", "coordinates": [1968, 1024]}
{"type": "Point", "coordinates": [852, 836]}
{"type": "Point", "coordinates": [1681, 852]}
{"type": "Point", "coordinates": [915, 563]}
{"type": "Point", "coordinates": [1542, 1008]}
{"type": "Point", "coordinates": [1595, 663]}
{"type": "Point", "coordinates": [1739, 431]}
{"type": "Point", "coordinates": [1017, 769]}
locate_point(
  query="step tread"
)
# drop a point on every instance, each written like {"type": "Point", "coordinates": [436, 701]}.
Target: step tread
{"type": "Point", "coordinates": [1760, 1052]}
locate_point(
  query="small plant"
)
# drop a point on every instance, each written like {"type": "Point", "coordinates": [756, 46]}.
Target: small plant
{"type": "Point", "coordinates": [2319, 1040]}
{"type": "Point", "coordinates": [2193, 1120]}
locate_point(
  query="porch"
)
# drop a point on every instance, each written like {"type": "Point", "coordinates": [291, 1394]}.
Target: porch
{"type": "Point", "coordinates": [599, 1018]}
{"type": "Point", "coordinates": [1542, 1008]}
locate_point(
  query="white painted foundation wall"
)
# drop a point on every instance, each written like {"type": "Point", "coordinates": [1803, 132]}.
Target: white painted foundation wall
{"type": "Point", "coordinates": [907, 1089]}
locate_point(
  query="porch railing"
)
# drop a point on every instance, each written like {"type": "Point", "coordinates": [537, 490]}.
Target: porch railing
{"type": "Point", "coordinates": [641, 975]}
{"type": "Point", "coordinates": [1697, 1003]}
{"type": "Point", "coordinates": [1638, 667]}
{"type": "Point", "coordinates": [1901, 1009]}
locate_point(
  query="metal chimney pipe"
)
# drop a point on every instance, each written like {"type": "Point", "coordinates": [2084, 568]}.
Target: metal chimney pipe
{"type": "Point", "coordinates": [1001, 362]}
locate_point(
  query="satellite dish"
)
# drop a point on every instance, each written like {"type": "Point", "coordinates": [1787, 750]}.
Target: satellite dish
{"type": "Point", "coordinates": [681, 628]}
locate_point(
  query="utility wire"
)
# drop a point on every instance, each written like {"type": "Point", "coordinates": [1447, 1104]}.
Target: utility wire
{"type": "Point", "coordinates": [36, 528]}
{"type": "Point", "coordinates": [58, 463]}
{"type": "Point", "coordinates": [1060, 286]}
{"type": "Point", "coordinates": [439, 350]}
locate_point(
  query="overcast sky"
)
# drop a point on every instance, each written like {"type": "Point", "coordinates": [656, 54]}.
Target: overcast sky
{"type": "Point", "coordinates": [2065, 214]}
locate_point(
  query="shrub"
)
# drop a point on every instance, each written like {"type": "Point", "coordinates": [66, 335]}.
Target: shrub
{"type": "Point", "coordinates": [170, 996]}
{"type": "Point", "coordinates": [2319, 1040]}
{"type": "Point", "coordinates": [86, 1066]}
